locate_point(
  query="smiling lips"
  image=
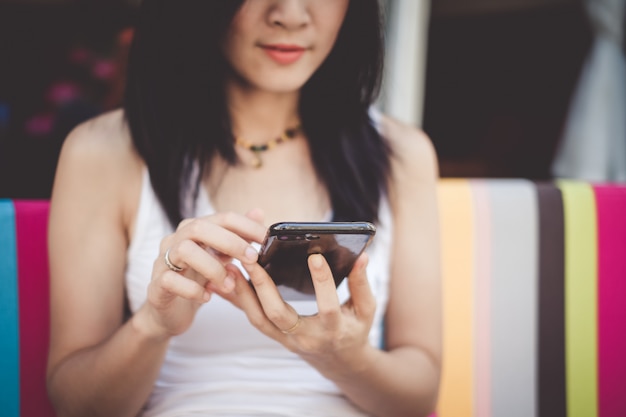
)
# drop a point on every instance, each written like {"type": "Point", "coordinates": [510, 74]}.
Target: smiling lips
{"type": "Point", "coordinates": [284, 54]}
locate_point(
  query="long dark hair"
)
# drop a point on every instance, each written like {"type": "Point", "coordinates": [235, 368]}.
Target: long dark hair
{"type": "Point", "coordinates": [176, 110]}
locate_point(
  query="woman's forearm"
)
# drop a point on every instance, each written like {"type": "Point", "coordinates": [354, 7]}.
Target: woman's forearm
{"type": "Point", "coordinates": [113, 378]}
{"type": "Point", "coordinates": [402, 382]}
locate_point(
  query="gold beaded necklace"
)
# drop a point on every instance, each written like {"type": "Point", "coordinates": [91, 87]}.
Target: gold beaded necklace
{"type": "Point", "coordinates": [257, 150]}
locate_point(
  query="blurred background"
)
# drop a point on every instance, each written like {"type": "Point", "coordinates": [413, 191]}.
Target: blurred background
{"type": "Point", "coordinates": [494, 83]}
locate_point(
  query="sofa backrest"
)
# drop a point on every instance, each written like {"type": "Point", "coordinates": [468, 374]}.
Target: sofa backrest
{"type": "Point", "coordinates": [24, 308]}
{"type": "Point", "coordinates": [534, 284]}
{"type": "Point", "coordinates": [534, 287]}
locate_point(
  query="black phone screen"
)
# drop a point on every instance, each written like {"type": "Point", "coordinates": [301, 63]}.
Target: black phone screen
{"type": "Point", "coordinates": [287, 246]}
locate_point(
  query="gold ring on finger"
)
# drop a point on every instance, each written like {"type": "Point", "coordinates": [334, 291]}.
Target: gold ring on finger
{"type": "Point", "coordinates": [294, 327]}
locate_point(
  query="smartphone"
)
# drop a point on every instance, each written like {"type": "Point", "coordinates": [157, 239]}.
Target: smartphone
{"type": "Point", "coordinates": [287, 246]}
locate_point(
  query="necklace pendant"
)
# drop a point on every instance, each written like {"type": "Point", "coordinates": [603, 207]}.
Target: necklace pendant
{"type": "Point", "coordinates": [257, 150]}
{"type": "Point", "coordinates": [257, 162]}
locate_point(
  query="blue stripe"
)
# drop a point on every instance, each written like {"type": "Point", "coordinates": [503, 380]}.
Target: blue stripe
{"type": "Point", "coordinates": [9, 324]}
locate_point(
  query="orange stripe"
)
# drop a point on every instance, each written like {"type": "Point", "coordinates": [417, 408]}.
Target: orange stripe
{"type": "Point", "coordinates": [457, 240]}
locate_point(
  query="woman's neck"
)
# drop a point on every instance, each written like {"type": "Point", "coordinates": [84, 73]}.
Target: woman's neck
{"type": "Point", "coordinates": [259, 115]}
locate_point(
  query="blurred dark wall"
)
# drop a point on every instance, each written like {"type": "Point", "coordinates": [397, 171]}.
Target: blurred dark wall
{"type": "Point", "coordinates": [497, 89]}
{"type": "Point", "coordinates": [58, 67]}
{"type": "Point", "coordinates": [498, 86]}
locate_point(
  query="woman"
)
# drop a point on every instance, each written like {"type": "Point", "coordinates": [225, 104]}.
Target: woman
{"type": "Point", "coordinates": [155, 205]}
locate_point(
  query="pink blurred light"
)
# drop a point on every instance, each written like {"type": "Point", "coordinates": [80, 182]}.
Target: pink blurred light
{"type": "Point", "coordinates": [79, 55]}
{"type": "Point", "coordinates": [62, 92]}
{"type": "Point", "coordinates": [104, 69]}
{"type": "Point", "coordinates": [40, 124]}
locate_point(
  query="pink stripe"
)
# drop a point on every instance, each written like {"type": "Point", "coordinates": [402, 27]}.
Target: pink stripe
{"type": "Point", "coordinates": [31, 221]}
{"type": "Point", "coordinates": [611, 206]}
{"type": "Point", "coordinates": [482, 374]}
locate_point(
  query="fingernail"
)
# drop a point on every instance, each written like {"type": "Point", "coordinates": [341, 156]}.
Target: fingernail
{"type": "Point", "coordinates": [316, 261]}
{"type": "Point", "coordinates": [251, 254]}
{"type": "Point", "coordinates": [206, 296]}
{"type": "Point", "coordinates": [229, 283]}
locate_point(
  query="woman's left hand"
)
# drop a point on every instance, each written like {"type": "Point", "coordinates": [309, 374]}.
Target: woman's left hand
{"type": "Point", "coordinates": [335, 339]}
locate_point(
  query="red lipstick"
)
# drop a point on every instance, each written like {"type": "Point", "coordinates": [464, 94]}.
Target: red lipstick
{"type": "Point", "coordinates": [284, 54]}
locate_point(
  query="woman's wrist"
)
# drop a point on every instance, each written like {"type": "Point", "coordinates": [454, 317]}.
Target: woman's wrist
{"type": "Point", "coordinates": [350, 365]}
{"type": "Point", "coordinates": [144, 326]}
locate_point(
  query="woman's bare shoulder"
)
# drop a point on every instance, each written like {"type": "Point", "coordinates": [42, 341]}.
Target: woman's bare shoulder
{"type": "Point", "coordinates": [99, 165]}
{"type": "Point", "coordinates": [414, 156]}
{"type": "Point", "coordinates": [104, 136]}
{"type": "Point", "coordinates": [101, 145]}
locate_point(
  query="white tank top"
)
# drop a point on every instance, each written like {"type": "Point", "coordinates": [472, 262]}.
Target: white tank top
{"type": "Point", "coordinates": [222, 365]}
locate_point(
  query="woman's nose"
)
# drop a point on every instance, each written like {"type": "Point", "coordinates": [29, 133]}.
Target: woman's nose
{"type": "Point", "coordinates": [289, 14]}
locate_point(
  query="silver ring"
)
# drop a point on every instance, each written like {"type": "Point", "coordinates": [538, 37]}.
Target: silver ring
{"type": "Point", "coordinates": [169, 263]}
{"type": "Point", "coordinates": [294, 327]}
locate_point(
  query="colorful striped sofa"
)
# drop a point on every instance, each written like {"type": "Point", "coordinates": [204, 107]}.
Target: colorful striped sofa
{"type": "Point", "coordinates": [534, 278]}
{"type": "Point", "coordinates": [24, 309]}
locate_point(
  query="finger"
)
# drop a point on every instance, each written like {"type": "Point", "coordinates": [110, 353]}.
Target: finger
{"type": "Point", "coordinates": [174, 284]}
{"type": "Point", "coordinates": [183, 223]}
{"type": "Point", "coordinates": [245, 298]}
{"type": "Point", "coordinates": [219, 238]}
{"type": "Point", "coordinates": [325, 291]}
{"type": "Point", "coordinates": [254, 231]}
{"type": "Point", "coordinates": [187, 254]}
{"type": "Point", "coordinates": [361, 295]}
{"type": "Point", "coordinates": [248, 228]}
{"type": "Point", "coordinates": [237, 293]}
{"type": "Point", "coordinates": [274, 307]}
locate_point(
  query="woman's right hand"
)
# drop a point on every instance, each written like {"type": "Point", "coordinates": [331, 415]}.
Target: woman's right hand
{"type": "Point", "coordinates": [201, 247]}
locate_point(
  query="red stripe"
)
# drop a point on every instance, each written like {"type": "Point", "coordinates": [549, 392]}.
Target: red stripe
{"type": "Point", "coordinates": [31, 222]}
{"type": "Point", "coordinates": [611, 206]}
